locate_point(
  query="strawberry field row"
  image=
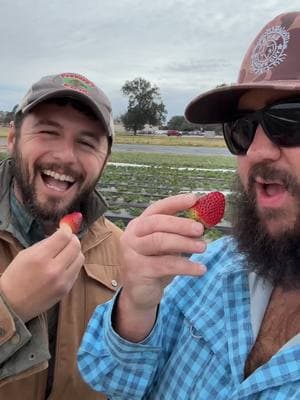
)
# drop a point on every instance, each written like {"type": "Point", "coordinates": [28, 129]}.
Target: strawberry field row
{"type": "Point", "coordinates": [129, 189]}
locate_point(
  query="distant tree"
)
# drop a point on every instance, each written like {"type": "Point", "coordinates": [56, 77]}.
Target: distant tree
{"type": "Point", "coordinates": [9, 115]}
{"type": "Point", "coordinates": [179, 123]}
{"type": "Point", "coordinates": [176, 122]}
{"type": "Point", "coordinates": [144, 105]}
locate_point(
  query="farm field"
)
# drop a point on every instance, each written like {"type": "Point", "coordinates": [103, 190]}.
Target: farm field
{"type": "Point", "coordinates": [163, 140]}
{"type": "Point", "coordinates": [134, 180]}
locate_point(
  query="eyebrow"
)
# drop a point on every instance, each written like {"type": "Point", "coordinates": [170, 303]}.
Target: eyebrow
{"type": "Point", "coordinates": [47, 122]}
{"type": "Point", "coordinates": [91, 134]}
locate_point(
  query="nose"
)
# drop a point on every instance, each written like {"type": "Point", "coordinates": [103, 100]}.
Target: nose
{"type": "Point", "coordinates": [262, 148]}
{"type": "Point", "coordinates": [65, 152]}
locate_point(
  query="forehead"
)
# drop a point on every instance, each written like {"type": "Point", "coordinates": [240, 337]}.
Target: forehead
{"type": "Point", "coordinates": [257, 99]}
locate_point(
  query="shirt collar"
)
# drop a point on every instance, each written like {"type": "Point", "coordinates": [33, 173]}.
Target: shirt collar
{"type": "Point", "coordinates": [27, 230]}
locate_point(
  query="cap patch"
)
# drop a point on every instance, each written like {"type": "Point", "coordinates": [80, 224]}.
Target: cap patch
{"type": "Point", "coordinates": [270, 49]}
{"type": "Point", "coordinates": [77, 82]}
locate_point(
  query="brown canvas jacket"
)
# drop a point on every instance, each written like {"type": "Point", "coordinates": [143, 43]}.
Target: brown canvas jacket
{"type": "Point", "coordinates": [96, 283]}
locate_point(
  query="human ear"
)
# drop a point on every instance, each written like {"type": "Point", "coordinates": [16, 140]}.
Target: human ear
{"type": "Point", "coordinates": [11, 137]}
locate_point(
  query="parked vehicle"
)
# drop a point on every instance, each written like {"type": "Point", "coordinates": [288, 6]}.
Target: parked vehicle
{"type": "Point", "coordinates": [173, 132]}
{"type": "Point", "coordinates": [146, 131]}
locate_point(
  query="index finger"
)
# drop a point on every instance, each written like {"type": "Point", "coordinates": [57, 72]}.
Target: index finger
{"type": "Point", "coordinates": [171, 205]}
{"type": "Point", "coordinates": [54, 244]}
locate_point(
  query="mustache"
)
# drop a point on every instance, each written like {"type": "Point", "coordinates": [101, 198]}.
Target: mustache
{"type": "Point", "coordinates": [274, 258]}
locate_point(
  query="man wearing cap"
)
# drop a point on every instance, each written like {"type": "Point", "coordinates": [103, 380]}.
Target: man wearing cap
{"type": "Point", "coordinates": [228, 327]}
{"type": "Point", "coordinates": [51, 280]}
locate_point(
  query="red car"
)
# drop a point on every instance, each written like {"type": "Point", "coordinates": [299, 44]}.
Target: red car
{"type": "Point", "coordinates": [173, 132]}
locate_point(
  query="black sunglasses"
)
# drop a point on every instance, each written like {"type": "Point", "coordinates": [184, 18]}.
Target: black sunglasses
{"type": "Point", "coordinates": [280, 122]}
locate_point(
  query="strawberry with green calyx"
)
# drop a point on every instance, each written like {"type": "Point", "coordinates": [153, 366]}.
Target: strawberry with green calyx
{"type": "Point", "coordinates": [208, 209]}
{"type": "Point", "coordinates": [71, 221]}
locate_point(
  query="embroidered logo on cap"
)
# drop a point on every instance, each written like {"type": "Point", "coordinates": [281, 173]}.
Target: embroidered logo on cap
{"type": "Point", "coordinates": [77, 82]}
{"type": "Point", "coordinates": [270, 49]}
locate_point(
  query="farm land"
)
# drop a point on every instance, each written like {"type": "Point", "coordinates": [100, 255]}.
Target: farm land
{"type": "Point", "coordinates": [132, 181]}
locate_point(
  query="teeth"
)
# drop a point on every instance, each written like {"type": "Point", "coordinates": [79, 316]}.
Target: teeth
{"type": "Point", "coordinates": [58, 177]}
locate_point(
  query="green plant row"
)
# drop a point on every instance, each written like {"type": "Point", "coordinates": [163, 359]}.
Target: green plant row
{"type": "Point", "coordinates": [174, 160]}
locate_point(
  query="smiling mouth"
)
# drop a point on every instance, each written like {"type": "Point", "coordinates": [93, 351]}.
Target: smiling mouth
{"type": "Point", "coordinates": [272, 189]}
{"type": "Point", "coordinates": [271, 194]}
{"type": "Point", "coordinates": [56, 181]}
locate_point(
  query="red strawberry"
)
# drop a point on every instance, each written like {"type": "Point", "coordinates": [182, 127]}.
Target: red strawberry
{"type": "Point", "coordinates": [208, 209]}
{"type": "Point", "coordinates": [72, 221]}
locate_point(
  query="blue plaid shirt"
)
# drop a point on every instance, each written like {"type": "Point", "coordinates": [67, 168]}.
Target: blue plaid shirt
{"type": "Point", "coordinates": [198, 347]}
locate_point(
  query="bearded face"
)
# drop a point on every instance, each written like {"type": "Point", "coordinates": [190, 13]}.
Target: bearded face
{"type": "Point", "coordinates": [274, 254]}
{"type": "Point", "coordinates": [58, 156]}
{"type": "Point", "coordinates": [53, 208]}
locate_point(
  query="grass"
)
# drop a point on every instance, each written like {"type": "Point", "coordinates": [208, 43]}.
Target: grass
{"type": "Point", "coordinates": [3, 131]}
{"type": "Point", "coordinates": [174, 160]}
{"type": "Point", "coordinates": [171, 160]}
{"type": "Point", "coordinates": [163, 140]}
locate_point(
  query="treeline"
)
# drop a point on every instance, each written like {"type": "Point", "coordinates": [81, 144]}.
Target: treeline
{"type": "Point", "coordinates": [179, 123]}
{"type": "Point", "coordinates": [145, 107]}
{"type": "Point", "coordinates": [7, 116]}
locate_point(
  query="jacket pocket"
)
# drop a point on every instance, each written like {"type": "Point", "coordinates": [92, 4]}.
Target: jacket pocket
{"type": "Point", "coordinates": [107, 275]}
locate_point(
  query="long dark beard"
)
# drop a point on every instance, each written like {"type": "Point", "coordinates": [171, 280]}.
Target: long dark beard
{"type": "Point", "coordinates": [52, 211]}
{"type": "Point", "coordinates": [274, 258]}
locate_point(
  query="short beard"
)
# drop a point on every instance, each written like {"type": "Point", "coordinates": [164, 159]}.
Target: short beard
{"type": "Point", "coordinates": [274, 258]}
{"type": "Point", "coordinates": [52, 212]}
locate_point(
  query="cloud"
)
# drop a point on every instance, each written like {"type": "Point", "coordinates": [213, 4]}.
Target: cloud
{"type": "Point", "coordinates": [182, 46]}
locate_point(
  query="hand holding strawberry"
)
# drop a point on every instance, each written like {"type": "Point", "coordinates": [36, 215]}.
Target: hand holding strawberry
{"type": "Point", "coordinates": [151, 250]}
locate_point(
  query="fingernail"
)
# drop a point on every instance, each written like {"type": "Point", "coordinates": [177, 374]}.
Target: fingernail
{"type": "Point", "coordinates": [201, 246]}
{"type": "Point", "coordinates": [197, 228]}
{"type": "Point", "coordinates": [203, 268]}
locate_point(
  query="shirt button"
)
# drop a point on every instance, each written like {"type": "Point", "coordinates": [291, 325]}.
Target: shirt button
{"type": "Point", "coordinates": [15, 339]}
{"type": "Point", "coordinates": [114, 283]}
{"type": "Point", "coordinates": [2, 332]}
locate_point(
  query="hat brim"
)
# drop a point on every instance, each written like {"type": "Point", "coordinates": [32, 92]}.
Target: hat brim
{"type": "Point", "coordinates": [74, 95]}
{"type": "Point", "coordinates": [219, 105]}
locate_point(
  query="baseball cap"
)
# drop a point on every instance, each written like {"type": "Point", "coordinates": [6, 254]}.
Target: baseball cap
{"type": "Point", "coordinates": [271, 62]}
{"type": "Point", "coordinates": [69, 84]}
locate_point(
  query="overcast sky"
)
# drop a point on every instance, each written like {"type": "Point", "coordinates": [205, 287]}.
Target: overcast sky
{"type": "Point", "coordinates": [185, 47]}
